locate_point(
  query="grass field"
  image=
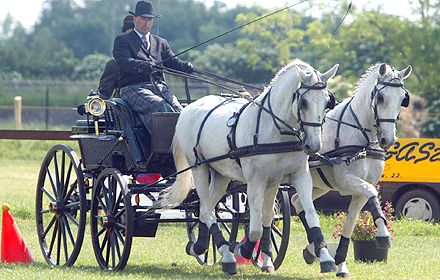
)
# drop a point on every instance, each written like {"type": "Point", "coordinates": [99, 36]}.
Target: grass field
{"type": "Point", "coordinates": [415, 253]}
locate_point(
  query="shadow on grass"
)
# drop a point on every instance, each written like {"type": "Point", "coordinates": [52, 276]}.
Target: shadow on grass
{"type": "Point", "coordinates": [172, 271]}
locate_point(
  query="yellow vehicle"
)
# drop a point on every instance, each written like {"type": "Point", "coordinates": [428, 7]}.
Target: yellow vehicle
{"type": "Point", "coordinates": [411, 179]}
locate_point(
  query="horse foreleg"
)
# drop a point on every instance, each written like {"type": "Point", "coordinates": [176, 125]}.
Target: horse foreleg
{"type": "Point", "coordinates": [255, 196]}
{"type": "Point", "coordinates": [356, 204]}
{"type": "Point", "coordinates": [383, 235]}
{"type": "Point", "coordinates": [296, 203]}
{"type": "Point", "coordinates": [309, 252]}
{"type": "Point", "coordinates": [303, 185]}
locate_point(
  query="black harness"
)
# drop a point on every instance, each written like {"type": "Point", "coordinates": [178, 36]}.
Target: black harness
{"type": "Point", "coordinates": [258, 148]}
{"type": "Point", "coordinates": [356, 152]}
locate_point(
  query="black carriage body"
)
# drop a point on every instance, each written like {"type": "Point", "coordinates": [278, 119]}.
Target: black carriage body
{"type": "Point", "coordinates": [124, 143]}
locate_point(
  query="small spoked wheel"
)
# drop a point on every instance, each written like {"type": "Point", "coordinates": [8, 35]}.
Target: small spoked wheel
{"type": "Point", "coordinates": [60, 206]}
{"type": "Point", "coordinates": [224, 212]}
{"type": "Point", "coordinates": [111, 220]}
{"type": "Point", "coordinates": [280, 231]}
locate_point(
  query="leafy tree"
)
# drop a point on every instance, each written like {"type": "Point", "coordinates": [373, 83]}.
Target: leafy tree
{"type": "Point", "coordinates": [90, 67]}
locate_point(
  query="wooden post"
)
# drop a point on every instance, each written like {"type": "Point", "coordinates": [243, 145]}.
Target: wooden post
{"type": "Point", "coordinates": [18, 111]}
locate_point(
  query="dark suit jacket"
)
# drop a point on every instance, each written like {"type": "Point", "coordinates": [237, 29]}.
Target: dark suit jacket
{"type": "Point", "coordinates": [130, 54]}
{"type": "Point", "coordinates": [109, 80]}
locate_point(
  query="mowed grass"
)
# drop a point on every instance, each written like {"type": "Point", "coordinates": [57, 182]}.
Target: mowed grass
{"type": "Point", "coordinates": [415, 253]}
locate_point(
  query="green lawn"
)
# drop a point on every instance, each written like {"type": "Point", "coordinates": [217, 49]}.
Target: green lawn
{"type": "Point", "coordinates": [415, 253]}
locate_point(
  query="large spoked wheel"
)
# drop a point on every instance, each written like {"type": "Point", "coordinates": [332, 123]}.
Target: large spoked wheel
{"type": "Point", "coordinates": [280, 230]}
{"type": "Point", "coordinates": [61, 206]}
{"type": "Point", "coordinates": [111, 220]}
{"type": "Point", "coordinates": [225, 214]}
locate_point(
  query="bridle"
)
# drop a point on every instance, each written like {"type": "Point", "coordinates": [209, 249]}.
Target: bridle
{"type": "Point", "coordinates": [296, 95]}
{"type": "Point", "coordinates": [374, 96]}
{"type": "Point", "coordinates": [299, 96]}
{"type": "Point", "coordinates": [377, 120]}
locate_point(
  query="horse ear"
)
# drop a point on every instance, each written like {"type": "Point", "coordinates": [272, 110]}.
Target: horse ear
{"type": "Point", "coordinates": [304, 77]}
{"type": "Point", "coordinates": [403, 74]}
{"type": "Point", "coordinates": [330, 73]}
{"type": "Point", "coordinates": [382, 69]}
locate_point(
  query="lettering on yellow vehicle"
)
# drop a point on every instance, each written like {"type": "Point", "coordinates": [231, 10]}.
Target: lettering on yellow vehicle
{"type": "Point", "coordinates": [413, 160]}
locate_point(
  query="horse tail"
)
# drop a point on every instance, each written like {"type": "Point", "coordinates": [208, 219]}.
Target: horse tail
{"type": "Point", "coordinates": [177, 192]}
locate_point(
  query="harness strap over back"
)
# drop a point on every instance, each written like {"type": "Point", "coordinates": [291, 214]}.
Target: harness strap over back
{"type": "Point", "coordinates": [231, 136]}
{"type": "Point", "coordinates": [339, 124]}
{"type": "Point", "coordinates": [358, 123]}
{"type": "Point", "coordinates": [250, 150]}
{"type": "Point", "coordinates": [203, 124]}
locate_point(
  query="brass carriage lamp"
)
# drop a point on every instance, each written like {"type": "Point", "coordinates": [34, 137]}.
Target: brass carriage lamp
{"type": "Point", "coordinates": [96, 107]}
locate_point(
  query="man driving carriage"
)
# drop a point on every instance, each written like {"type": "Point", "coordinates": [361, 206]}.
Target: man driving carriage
{"type": "Point", "coordinates": [109, 81]}
{"type": "Point", "coordinates": [137, 54]}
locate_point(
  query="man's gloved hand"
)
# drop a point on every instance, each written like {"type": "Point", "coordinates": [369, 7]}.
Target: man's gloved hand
{"type": "Point", "coordinates": [147, 67]}
{"type": "Point", "coordinates": [188, 67]}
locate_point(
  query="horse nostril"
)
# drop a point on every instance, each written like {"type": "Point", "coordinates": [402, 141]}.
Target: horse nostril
{"type": "Point", "coordinates": [383, 141]}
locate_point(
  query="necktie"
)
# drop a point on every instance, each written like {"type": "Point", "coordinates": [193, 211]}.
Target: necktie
{"type": "Point", "coordinates": [145, 42]}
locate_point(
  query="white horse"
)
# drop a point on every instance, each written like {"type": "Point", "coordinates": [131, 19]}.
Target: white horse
{"type": "Point", "coordinates": [293, 104]}
{"type": "Point", "coordinates": [357, 130]}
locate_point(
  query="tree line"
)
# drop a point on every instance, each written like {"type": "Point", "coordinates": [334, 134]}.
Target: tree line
{"type": "Point", "coordinates": [72, 41]}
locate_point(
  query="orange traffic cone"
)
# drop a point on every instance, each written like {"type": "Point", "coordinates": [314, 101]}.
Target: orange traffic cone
{"type": "Point", "coordinates": [242, 260]}
{"type": "Point", "coordinates": [14, 248]}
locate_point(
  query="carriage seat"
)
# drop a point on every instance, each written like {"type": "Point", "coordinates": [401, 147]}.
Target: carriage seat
{"type": "Point", "coordinates": [132, 118]}
{"type": "Point", "coordinates": [128, 121]}
{"type": "Point", "coordinates": [155, 148]}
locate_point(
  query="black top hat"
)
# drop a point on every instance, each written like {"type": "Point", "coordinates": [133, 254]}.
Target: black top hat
{"type": "Point", "coordinates": [144, 9]}
{"type": "Point", "coordinates": [128, 23]}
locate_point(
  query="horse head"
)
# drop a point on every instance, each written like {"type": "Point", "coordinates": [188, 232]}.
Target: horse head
{"type": "Point", "coordinates": [310, 101]}
{"type": "Point", "coordinates": [388, 96]}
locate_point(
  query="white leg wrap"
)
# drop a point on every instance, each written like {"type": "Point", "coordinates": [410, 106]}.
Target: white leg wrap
{"type": "Point", "coordinates": [382, 229]}
{"type": "Point", "coordinates": [343, 270]}
{"type": "Point", "coordinates": [227, 256]}
{"type": "Point", "coordinates": [325, 256]}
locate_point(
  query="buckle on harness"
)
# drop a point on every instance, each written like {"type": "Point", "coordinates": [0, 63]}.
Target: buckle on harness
{"type": "Point", "coordinates": [232, 120]}
{"type": "Point", "coordinates": [361, 155]}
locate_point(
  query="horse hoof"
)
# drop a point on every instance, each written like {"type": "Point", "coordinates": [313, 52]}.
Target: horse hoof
{"type": "Point", "coordinates": [383, 242]}
{"type": "Point", "coordinates": [328, 266]}
{"type": "Point", "coordinates": [188, 247]}
{"type": "Point", "coordinates": [308, 257]}
{"type": "Point", "coordinates": [346, 275]}
{"type": "Point", "coordinates": [268, 269]}
{"type": "Point", "coordinates": [229, 268]}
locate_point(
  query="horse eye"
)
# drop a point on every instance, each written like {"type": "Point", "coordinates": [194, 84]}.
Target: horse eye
{"type": "Point", "coordinates": [380, 98]}
{"type": "Point", "coordinates": [303, 104]}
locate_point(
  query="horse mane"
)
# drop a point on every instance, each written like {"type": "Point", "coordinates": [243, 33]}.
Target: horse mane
{"type": "Point", "coordinates": [367, 74]}
{"type": "Point", "coordinates": [301, 64]}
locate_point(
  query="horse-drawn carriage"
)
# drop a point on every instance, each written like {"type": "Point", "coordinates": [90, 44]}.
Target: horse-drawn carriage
{"type": "Point", "coordinates": [118, 154]}
{"type": "Point", "coordinates": [121, 172]}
